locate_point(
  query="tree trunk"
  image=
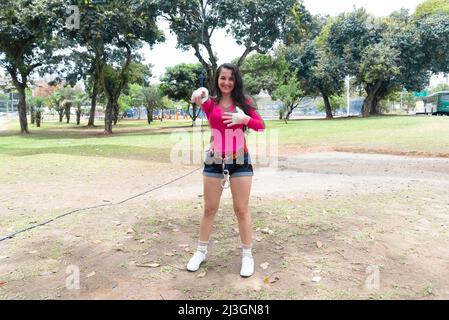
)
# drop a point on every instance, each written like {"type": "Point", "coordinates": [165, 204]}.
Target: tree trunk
{"type": "Point", "coordinates": [108, 117]}
{"type": "Point", "coordinates": [93, 104]}
{"type": "Point", "coordinates": [32, 114]}
{"type": "Point", "coordinates": [67, 114]}
{"type": "Point", "coordinates": [116, 111]}
{"type": "Point", "coordinates": [61, 114]}
{"type": "Point", "coordinates": [370, 105]}
{"type": "Point", "coordinates": [150, 111]}
{"type": "Point", "coordinates": [194, 113]}
{"type": "Point", "coordinates": [38, 118]}
{"type": "Point", "coordinates": [327, 106]}
{"type": "Point", "coordinates": [22, 109]}
{"type": "Point", "coordinates": [78, 115]}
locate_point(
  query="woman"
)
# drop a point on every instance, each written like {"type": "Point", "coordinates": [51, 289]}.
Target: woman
{"type": "Point", "coordinates": [230, 111]}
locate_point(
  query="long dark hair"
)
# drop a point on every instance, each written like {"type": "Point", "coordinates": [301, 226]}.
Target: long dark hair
{"type": "Point", "coordinates": [239, 95]}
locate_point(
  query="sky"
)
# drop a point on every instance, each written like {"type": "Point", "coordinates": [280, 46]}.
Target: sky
{"type": "Point", "coordinates": [166, 54]}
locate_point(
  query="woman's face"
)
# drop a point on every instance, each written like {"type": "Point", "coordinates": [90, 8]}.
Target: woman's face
{"type": "Point", "coordinates": [226, 81]}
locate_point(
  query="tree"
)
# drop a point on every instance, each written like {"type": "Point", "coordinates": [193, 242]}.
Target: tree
{"type": "Point", "coordinates": [256, 24]}
{"type": "Point", "coordinates": [273, 74]}
{"type": "Point", "coordinates": [301, 25]}
{"type": "Point", "coordinates": [179, 82]}
{"type": "Point", "coordinates": [83, 67]}
{"type": "Point", "coordinates": [318, 70]}
{"type": "Point", "coordinates": [55, 101]}
{"type": "Point", "coordinates": [113, 32]}
{"type": "Point", "coordinates": [194, 23]}
{"type": "Point", "coordinates": [440, 87]}
{"type": "Point", "coordinates": [152, 97]}
{"type": "Point", "coordinates": [290, 94]}
{"type": "Point", "coordinates": [260, 72]}
{"type": "Point", "coordinates": [382, 54]}
{"type": "Point", "coordinates": [28, 42]}
{"type": "Point", "coordinates": [431, 7]}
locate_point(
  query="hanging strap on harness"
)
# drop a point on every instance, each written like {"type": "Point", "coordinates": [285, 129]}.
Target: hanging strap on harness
{"type": "Point", "coordinates": [225, 182]}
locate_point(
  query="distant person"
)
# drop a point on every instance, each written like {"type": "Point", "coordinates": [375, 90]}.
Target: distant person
{"type": "Point", "coordinates": [230, 112]}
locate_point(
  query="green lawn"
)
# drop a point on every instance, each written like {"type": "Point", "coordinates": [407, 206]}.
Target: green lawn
{"type": "Point", "coordinates": [135, 139]}
{"type": "Point", "coordinates": [398, 134]}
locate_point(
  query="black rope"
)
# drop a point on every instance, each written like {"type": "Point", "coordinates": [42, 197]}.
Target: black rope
{"type": "Point", "coordinates": [95, 207]}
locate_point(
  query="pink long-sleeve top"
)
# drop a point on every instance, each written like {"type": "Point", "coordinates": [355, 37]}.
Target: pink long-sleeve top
{"type": "Point", "coordinates": [229, 139]}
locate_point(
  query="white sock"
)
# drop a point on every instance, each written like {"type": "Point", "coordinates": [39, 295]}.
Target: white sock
{"type": "Point", "coordinates": [247, 250]}
{"type": "Point", "coordinates": [202, 246]}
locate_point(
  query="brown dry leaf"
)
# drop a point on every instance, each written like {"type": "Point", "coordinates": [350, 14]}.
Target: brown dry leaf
{"type": "Point", "coordinates": [266, 280]}
{"type": "Point", "coordinates": [264, 265]}
{"type": "Point", "coordinates": [275, 279]}
{"type": "Point", "coordinates": [148, 265]}
{"type": "Point", "coordinates": [202, 274]}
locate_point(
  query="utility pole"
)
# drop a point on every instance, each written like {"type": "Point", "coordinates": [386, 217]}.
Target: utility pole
{"type": "Point", "coordinates": [347, 95]}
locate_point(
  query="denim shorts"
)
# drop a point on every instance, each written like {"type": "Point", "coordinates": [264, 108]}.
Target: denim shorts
{"type": "Point", "coordinates": [213, 167]}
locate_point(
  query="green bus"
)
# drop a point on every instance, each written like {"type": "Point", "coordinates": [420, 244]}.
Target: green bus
{"type": "Point", "coordinates": [436, 104]}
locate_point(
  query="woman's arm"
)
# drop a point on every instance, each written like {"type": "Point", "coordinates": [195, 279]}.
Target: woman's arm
{"type": "Point", "coordinates": [255, 121]}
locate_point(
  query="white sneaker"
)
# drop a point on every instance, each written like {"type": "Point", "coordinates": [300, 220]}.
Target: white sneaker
{"type": "Point", "coordinates": [196, 260]}
{"type": "Point", "coordinates": [247, 266]}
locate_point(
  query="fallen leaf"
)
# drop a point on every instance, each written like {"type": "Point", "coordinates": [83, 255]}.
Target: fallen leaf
{"type": "Point", "coordinates": [266, 280]}
{"type": "Point", "coordinates": [202, 274]}
{"type": "Point", "coordinates": [148, 265]}
{"type": "Point", "coordinates": [91, 274]}
{"type": "Point", "coordinates": [264, 265]}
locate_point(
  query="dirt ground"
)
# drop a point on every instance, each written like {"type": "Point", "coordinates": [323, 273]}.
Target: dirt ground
{"type": "Point", "coordinates": [328, 225]}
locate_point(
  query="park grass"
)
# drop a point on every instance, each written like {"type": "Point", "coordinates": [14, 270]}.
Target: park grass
{"type": "Point", "coordinates": [414, 135]}
{"type": "Point", "coordinates": [382, 134]}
